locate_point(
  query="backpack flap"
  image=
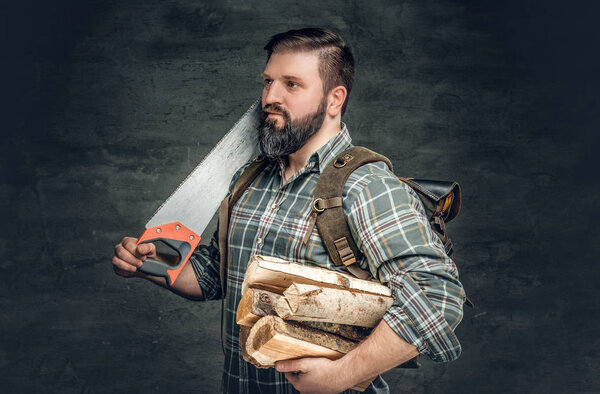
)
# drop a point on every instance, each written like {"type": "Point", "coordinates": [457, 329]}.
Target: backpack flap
{"type": "Point", "coordinates": [443, 196]}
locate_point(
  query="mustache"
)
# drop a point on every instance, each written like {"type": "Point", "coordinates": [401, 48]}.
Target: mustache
{"type": "Point", "coordinates": [264, 113]}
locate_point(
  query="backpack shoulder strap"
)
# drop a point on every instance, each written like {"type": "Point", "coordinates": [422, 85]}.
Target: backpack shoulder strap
{"type": "Point", "coordinates": [246, 178]}
{"type": "Point", "coordinates": [328, 213]}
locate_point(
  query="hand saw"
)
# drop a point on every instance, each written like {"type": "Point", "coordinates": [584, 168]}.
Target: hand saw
{"type": "Point", "coordinates": [182, 218]}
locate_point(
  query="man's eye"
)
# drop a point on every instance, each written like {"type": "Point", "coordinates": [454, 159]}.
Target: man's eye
{"type": "Point", "coordinates": [268, 82]}
{"type": "Point", "coordinates": [292, 85]}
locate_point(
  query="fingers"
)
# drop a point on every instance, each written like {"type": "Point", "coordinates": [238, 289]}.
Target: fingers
{"type": "Point", "coordinates": [140, 251]}
{"type": "Point", "coordinates": [290, 366]}
{"type": "Point", "coordinates": [129, 256]}
{"type": "Point", "coordinates": [292, 377]}
{"type": "Point", "coordinates": [126, 255]}
{"type": "Point", "coordinates": [123, 268]}
{"type": "Point", "coordinates": [145, 250]}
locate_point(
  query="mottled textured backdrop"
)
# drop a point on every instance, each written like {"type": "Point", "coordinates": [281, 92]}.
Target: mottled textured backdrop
{"type": "Point", "coordinates": [107, 105]}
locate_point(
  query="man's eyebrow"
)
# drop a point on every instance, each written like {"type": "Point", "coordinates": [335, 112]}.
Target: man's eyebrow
{"type": "Point", "coordinates": [293, 77]}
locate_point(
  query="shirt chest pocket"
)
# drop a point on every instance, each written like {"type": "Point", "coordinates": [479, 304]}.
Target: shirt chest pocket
{"type": "Point", "coordinates": [291, 222]}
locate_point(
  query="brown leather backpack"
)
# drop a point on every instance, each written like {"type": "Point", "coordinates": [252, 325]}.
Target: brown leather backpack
{"type": "Point", "coordinates": [440, 199]}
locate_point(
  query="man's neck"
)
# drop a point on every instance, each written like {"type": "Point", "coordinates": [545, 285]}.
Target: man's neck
{"type": "Point", "coordinates": [297, 160]}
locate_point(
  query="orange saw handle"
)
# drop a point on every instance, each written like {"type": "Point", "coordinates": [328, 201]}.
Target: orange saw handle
{"type": "Point", "coordinates": [177, 237]}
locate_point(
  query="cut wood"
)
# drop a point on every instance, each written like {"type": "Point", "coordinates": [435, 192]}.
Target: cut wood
{"type": "Point", "coordinates": [254, 304]}
{"type": "Point", "coordinates": [302, 302]}
{"type": "Point", "coordinates": [272, 339]}
{"type": "Point", "coordinates": [276, 275]}
{"type": "Point", "coordinates": [356, 334]}
{"type": "Point", "coordinates": [244, 332]}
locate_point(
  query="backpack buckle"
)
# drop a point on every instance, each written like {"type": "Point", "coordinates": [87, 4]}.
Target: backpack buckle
{"type": "Point", "coordinates": [315, 205]}
{"type": "Point", "coordinates": [342, 160]}
{"type": "Point", "coordinates": [346, 254]}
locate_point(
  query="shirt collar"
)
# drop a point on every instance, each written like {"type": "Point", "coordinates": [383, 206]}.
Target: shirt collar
{"type": "Point", "coordinates": [336, 145]}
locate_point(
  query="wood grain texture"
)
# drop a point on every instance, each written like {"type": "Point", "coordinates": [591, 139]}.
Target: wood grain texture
{"type": "Point", "coordinates": [276, 275]}
{"type": "Point", "coordinates": [302, 302]}
{"type": "Point", "coordinates": [272, 339]}
{"type": "Point", "coordinates": [254, 304]}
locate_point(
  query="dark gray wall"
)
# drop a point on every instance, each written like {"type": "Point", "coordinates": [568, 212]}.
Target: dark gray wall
{"type": "Point", "coordinates": [108, 105]}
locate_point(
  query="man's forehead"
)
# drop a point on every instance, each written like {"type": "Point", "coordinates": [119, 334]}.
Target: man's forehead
{"type": "Point", "coordinates": [293, 64]}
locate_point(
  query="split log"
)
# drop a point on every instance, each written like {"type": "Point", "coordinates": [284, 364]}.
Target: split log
{"type": "Point", "coordinates": [302, 302]}
{"type": "Point", "coordinates": [244, 332]}
{"type": "Point", "coordinates": [352, 333]}
{"type": "Point", "coordinates": [255, 303]}
{"type": "Point", "coordinates": [272, 339]}
{"type": "Point", "coordinates": [276, 275]}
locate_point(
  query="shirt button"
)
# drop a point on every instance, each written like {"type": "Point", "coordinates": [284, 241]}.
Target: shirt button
{"type": "Point", "coordinates": [274, 206]}
{"type": "Point", "coordinates": [259, 241]}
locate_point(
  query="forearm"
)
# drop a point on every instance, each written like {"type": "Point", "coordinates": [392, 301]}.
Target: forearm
{"type": "Point", "coordinates": [380, 352]}
{"type": "Point", "coordinates": [186, 284]}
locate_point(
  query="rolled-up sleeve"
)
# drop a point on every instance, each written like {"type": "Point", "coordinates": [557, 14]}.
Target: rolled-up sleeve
{"type": "Point", "coordinates": [205, 261]}
{"type": "Point", "coordinates": [389, 225]}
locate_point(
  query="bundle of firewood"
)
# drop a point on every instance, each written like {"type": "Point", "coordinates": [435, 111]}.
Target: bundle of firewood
{"type": "Point", "coordinates": [291, 311]}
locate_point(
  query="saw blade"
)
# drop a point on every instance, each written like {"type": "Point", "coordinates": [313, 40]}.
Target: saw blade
{"type": "Point", "coordinates": [197, 198]}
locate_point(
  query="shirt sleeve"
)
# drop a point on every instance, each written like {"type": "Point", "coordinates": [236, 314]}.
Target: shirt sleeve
{"type": "Point", "coordinates": [388, 223]}
{"type": "Point", "coordinates": [206, 262]}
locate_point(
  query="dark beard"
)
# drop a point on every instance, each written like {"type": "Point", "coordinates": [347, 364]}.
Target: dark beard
{"type": "Point", "coordinates": [278, 142]}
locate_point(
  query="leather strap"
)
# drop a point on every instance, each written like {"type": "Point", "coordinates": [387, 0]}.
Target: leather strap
{"type": "Point", "coordinates": [328, 212]}
{"type": "Point", "coordinates": [244, 181]}
{"type": "Point", "coordinates": [223, 229]}
{"type": "Point", "coordinates": [246, 178]}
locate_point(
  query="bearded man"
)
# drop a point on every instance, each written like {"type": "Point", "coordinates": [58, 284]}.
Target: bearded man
{"type": "Point", "coordinates": [307, 81]}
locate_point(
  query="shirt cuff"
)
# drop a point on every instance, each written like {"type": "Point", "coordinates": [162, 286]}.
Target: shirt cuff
{"type": "Point", "coordinates": [416, 320]}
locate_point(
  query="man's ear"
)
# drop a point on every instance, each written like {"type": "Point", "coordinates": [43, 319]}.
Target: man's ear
{"type": "Point", "coordinates": [335, 100]}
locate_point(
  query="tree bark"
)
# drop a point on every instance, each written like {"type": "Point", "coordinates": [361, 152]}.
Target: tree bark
{"type": "Point", "coordinates": [302, 302]}
{"type": "Point", "coordinates": [276, 275]}
{"type": "Point", "coordinates": [352, 333]}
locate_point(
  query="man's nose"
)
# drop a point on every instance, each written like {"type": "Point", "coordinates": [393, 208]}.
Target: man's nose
{"type": "Point", "coordinates": [272, 94]}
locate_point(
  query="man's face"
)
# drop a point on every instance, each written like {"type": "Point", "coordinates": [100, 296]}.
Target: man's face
{"type": "Point", "coordinates": [293, 102]}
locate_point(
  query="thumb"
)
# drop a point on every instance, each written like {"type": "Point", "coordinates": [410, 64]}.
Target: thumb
{"type": "Point", "coordinates": [146, 249]}
{"type": "Point", "coordinates": [290, 366]}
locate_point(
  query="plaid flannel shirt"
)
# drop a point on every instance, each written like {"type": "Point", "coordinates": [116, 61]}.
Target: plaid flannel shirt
{"type": "Point", "coordinates": [388, 223]}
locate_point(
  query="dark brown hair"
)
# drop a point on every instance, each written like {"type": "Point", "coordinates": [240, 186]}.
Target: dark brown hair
{"type": "Point", "coordinates": [336, 63]}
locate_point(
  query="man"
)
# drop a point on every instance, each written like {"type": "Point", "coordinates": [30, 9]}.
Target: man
{"type": "Point", "coordinates": [307, 80]}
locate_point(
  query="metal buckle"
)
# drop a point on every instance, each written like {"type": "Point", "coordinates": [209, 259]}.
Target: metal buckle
{"type": "Point", "coordinates": [314, 205]}
{"type": "Point", "coordinates": [343, 160]}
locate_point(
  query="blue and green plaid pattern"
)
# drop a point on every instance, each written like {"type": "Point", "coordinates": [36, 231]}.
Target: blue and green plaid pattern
{"type": "Point", "coordinates": [389, 226]}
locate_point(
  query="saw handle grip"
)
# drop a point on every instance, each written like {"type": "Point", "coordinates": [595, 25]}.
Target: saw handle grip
{"type": "Point", "coordinates": [175, 236]}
